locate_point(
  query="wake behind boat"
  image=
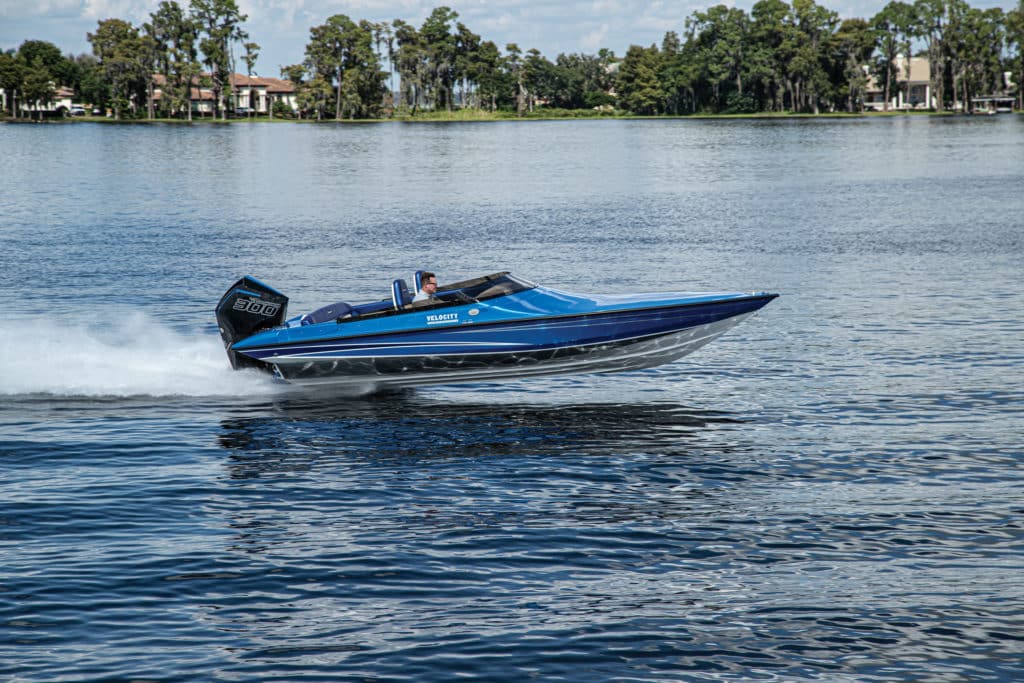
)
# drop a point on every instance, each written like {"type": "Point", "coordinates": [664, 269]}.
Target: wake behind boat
{"type": "Point", "coordinates": [489, 328]}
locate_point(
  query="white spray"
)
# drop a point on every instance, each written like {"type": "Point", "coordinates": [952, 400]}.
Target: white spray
{"type": "Point", "coordinates": [130, 356]}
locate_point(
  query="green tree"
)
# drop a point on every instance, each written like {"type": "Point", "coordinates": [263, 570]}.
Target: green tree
{"type": "Point", "coordinates": [671, 76]}
{"type": "Point", "coordinates": [486, 70]}
{"type": "Point", "coordinates": [37, 86]}
{"type": "Point", "coordinates": [384, 48]}
{"type": "Point", "coordinates": [327, 52]}
{"type": "Point", "coordinates": [12, 76]}
{"type": "Point", "coordinates": [637, 83]}
{"type": "Point", "coordinates": [387, 37]}
{"type": "Point", "coordinates": [854, 44]}
{"type": "Point", "coordinates": [972, 39]}
{"type": "Point", "coordinates": [42, 53]}
{"type": "Point", "coordinates": [341, 52]}
{"type": "Point", "coordinates": [467, 54]}
{"type": "Point", "coordinates": [39, 65]}
{"type": "Point", "coordinates": [411, 64]}
{"type": "Point", "coordinates": [296, 73]}
{"type": "Point", "coordinates": [315, 95]}
{"type": "Point", "coordinates": [954, 39]}
{"type": "Point", "coordinates": [722, 36]}
{"type": "Point", "coordinates": [682, 79]}
{"type": "Point", "coordinates": [92, 85]}
{"type": "Point", "coordinates": [150, 55]}
{"type": "Point", "coordinates": [1015, 42]}
{"type": "Point", "coordinates": [125, 58]}
{"type": "Point", "coordinates": [891, 25]}
{"type": "Point", "coordinates": [517, 74]}
{"type": "Point", "coordinates": [982, 52]}
{"type": "Point", "coordinates": [539, 78]}
{"type": "Point", "coordinates": [566, 83]}
{"type": "Point", "coordinates": [220, 23]}
{"type": "Point", "coordinates": [252, 52]}
{"type": "Point", "coordinates": [773, 39]}
{"type": "Point", "coordinates": [175, 34]}
{"type": "Point", "coordinates": [441, 48]}
{"type": "Point", "coordinates": [815, 26]}
{"type": "Point", "coordinates": [929, 17]}
{"type": "Point", "coordinates": [599, 79]}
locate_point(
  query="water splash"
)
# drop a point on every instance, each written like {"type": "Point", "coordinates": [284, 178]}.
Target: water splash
{"type": "Point", "coordinates": [131, 355]}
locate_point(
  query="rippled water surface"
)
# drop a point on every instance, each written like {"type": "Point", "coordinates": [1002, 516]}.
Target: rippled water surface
{"type": "Point", "coordinates": [831, 492]}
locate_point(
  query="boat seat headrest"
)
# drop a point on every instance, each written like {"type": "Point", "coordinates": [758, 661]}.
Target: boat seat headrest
{"type": "Point", "coordinates": [400, 296]}
{"type": "Point", "coordinates": [417, 281]}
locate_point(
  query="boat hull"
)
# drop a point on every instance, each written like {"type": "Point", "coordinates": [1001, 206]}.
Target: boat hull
{"type": "Point", "coordinates": [607, 341]}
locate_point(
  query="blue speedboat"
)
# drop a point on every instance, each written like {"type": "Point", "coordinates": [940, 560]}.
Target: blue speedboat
{"type": "Point", "coordinates": [489, 328]}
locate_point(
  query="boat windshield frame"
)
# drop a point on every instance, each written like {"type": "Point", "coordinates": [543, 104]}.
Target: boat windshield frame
{"type": "Point", "coordinates": [455, 294]}
{"type": "Point", "coordinates": [482, 288]}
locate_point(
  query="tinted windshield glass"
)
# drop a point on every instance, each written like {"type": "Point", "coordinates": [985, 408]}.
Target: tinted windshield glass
{"type": "Point", "coordinates": [496, 285]}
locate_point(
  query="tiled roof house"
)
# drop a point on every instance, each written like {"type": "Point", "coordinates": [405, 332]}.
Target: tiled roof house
{"type": "Point", "coordinates": [256, 93]}
{"type": "Point", "coordinates": [260, 93]}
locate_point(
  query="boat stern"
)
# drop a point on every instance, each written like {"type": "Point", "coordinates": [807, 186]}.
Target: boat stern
{"type": "Point", "coordinates": [248, 307]}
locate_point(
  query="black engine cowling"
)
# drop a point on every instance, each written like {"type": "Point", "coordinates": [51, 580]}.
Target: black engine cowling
{"type": "Point", "coordinates": [246, 308]}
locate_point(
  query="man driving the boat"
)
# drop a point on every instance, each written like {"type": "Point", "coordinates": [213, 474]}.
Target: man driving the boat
{"type": "Point", "coordinates": [428, 288]}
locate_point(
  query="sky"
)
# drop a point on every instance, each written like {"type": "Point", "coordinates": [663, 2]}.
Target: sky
{"type": "Point", "coordinates": [281, 27]}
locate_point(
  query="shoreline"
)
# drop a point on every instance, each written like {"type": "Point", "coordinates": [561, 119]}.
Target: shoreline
{"type": "Point", "coordinates": [491, 117]}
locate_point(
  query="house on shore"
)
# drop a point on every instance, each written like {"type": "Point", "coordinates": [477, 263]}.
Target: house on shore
{"type": "Point", "coordinates": [254, 94]}
{"type": "Point", "coordinates": [919, 94]}
{"type": "Point", "coordinates": [60, 105]}
{"type": "Point", "coordinates": [200, 99]}
{"type": "Point", "coordinates": [260, 94]}
{"type": "Point", "coordinates": [257, 95]}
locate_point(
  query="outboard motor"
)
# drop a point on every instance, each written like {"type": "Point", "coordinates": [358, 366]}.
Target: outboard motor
{"type": "Point", "coordinates": [246, 308]}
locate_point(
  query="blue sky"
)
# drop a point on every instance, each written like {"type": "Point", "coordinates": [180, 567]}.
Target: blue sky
{"type": "Point", "coordinates": [281, 27]}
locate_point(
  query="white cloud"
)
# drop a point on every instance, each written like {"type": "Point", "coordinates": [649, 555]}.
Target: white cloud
{"type": "Point", "coordinates": [596, 39]}
{"type": "Point", "coordinates": [603, 7]}
{"type": "Point", "coordinates": [12, 9]}
{"type": "Point", "coordinates": [130, 10]}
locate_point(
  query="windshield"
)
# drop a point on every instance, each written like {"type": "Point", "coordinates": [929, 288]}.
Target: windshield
{"type": "Point", "coordinates": [486, 287]}
{"type": "Point", "coordinates": [465, 292]}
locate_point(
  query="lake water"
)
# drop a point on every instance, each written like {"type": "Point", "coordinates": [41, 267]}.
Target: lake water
{"type": "Point", "coordinates": [832, 491]}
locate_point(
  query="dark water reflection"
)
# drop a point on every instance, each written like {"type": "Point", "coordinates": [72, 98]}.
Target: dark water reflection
{"type": "Point", "coordinates": [578, 536]}
{"type": "Point", "coordinates": [407, 536]}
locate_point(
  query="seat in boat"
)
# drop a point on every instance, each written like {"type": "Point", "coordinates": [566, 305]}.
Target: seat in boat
{"type": "Point", "coordinates": [331, 312]}
{"type": "Point", "coordinates": [400, 296]}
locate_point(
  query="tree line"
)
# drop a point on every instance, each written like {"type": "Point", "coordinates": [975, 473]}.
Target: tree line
{"type": "Point", "coordinates": [796, 57]}
{"type": "Point", "coordinates": [177, 50]}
